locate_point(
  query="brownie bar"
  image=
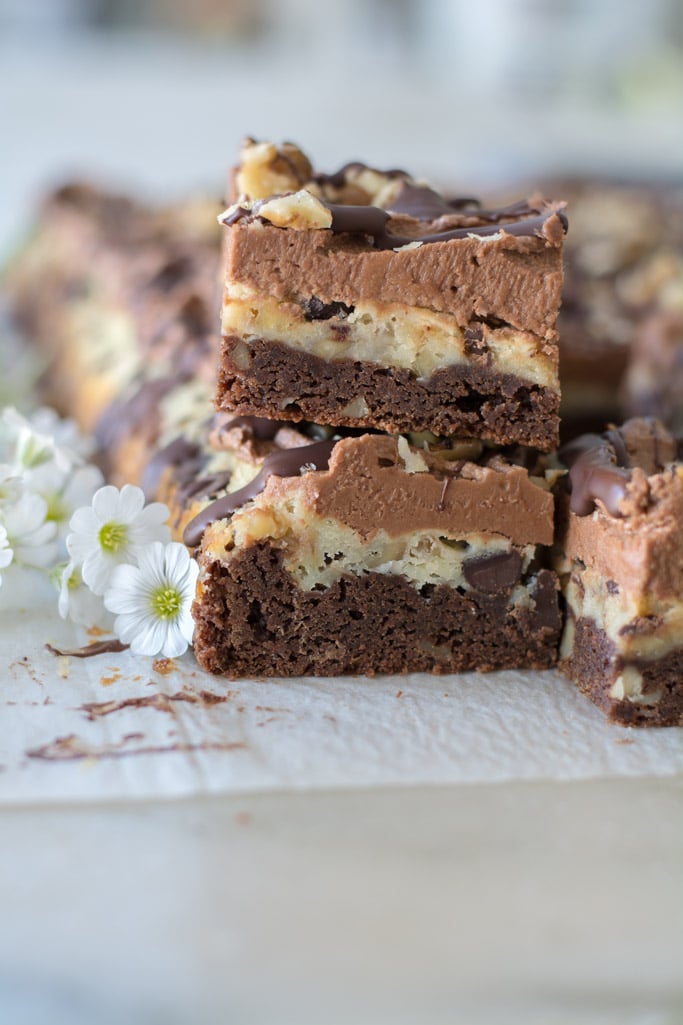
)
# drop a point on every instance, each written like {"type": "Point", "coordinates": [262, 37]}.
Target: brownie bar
{"type": "Point", "coordinates": [364, 299]}
{"type": "Point", "coordinates": [623, 262]}
{"type": "Point", "coordinates": [358, 552]}
{"type": "Point", "coordinates": [366, 554]}
{"type": "Point", "coordinates": [122, 298]}
{"type": "Point", "coordinates": [620, 535]}
{"type": "Point", "coordinates": [653, 385]}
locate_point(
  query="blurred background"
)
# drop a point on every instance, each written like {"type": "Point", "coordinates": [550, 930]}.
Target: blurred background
{"type": "Point", "coordinates": [156, 94]}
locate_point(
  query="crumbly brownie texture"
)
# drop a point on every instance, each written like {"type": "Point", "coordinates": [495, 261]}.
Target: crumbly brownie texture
{"type": "Point", "coordinates": [121, 298]}
{"type": "Point", "coordinates": [366, 554]}
{"type": "Point", "coordinates": [631, 693]}
{"type": "Point", "coordinates": [623, 261]}
{"type": "Point", "coordinates": [371, 277]}
{"type": "Point", "coordinates": [457, 400]}
{"type": "Point", "coordinates": [254, 619]}
{"type": "Point", "coordinates": [622, 566]}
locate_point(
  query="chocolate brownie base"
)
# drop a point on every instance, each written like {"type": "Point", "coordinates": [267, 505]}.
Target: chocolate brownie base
{"type": "Point", "coordinates": [458, 400]}
{"type": "Point", "coordinates": [253, 619]}
{"type": "Point", "coordinates": [594, 666]}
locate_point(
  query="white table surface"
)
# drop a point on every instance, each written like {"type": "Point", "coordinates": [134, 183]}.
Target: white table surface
{"type": "Point", "coordinates": [432, 877]}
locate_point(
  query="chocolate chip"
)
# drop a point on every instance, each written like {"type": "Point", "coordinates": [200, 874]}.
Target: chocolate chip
{"type": "Point", "coordinates": [491, 574]}
{"type": "Point", "coordinates": [316, 309]}
{"type": "Point", "coordinates": [474, 342]}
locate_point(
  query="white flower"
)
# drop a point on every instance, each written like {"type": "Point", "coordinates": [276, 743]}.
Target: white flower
{"type": "Point", "coordinates": [76, 601]}
{"type": "Point", "coordinates": [6, 553]}
{"type": "Point", "coordinates": [115, 529]}
{"type": "Point", "coordinates": [153, 600]}
{"type": "Point", "coordinates": [29, 534]}
{"type": "Point", "coordinates": [65, 434]}
{"type": "Point", "coordinates": [26, 447]}
{"type": "Point", "coordinates": [10, 485]}
{"type": "Point", "coordinates": [64, 493]}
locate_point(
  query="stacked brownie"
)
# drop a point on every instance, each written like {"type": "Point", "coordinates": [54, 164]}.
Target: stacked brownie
{"type": "Point", "coordinates": [377, 488]}
{"type": "Point", "coordinates": [381, 344]}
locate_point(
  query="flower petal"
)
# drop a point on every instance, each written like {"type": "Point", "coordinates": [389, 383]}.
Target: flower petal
{"type": "Point", "coordinates": [151, 640]}
{"type": "Point", "coordinates": [84, 521]}
{"type": "Point", "coordinates": [175, 644]}
{"type": "Point", "coordinates": [96, 570]}
{"type": "Point", "coordinates": [131, 501]}
{"type": "Point", "coordinates": [105, 503]}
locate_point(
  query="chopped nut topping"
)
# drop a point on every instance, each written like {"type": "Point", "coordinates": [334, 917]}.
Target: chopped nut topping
{"type": "Point", "coordinates": [266, 170]}
{"type": "Point", "coordinates": [299, 210]}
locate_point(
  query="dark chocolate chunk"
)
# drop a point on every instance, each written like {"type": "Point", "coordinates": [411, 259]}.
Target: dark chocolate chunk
{"type": "Point", "coordinates": [475, 343]}
{"type": "Point", "coordinates": [491, 574]}
{"type": "Point", "coordinates": [316, 309]}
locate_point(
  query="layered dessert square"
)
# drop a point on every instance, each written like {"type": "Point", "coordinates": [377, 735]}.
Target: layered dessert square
{"type": "Point", "coordinates": [653, 385]}
{"type": "Point", "coordinates": [365, 554]}
{"type": "Point", "coordinates": [623, 263]}
{"type": "Point", "coordinates": [121, 297]}
{"type": "Point", "coordinates": [622, 551]}
{"type": "Point", "coordinates": [366, 299]}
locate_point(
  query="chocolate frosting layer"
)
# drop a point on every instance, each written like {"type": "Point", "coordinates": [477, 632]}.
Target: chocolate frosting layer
{"type": "Point", "coordinates": [634, 538]}
{"type": "Point", "coordinates": [517, 279]}
{"type": "Point", "coordinates": [363, 483]}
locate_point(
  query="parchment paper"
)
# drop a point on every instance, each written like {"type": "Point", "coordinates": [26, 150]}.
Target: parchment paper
{"type": "Point", "coordinates": [115, 726]}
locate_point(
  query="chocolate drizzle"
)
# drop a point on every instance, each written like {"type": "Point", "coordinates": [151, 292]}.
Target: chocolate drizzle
{"type": "Point", "coordinates": [258, 426]}
{"type": "Point", "coordinates": [204, 487]}
{"type": "Point", "coordinates": [599, 469]}
{"type": "Point", "coordinates": [122, 417]}
{"type": "Point", "coordinates": [424, 204]}
{"type": "Point", "coordinates": [184, 456]}
{"type": "Point", "coordinates": [283, 463]}
{"type": "Point", "coordinates": [338, 179]}
{"type": "Point", "coordinates": [108, 647]}
{"type": "Point", "coordinates": [372, 221]}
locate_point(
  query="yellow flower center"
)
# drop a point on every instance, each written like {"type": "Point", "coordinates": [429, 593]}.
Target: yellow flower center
{"type": "Point", "coordinates": [167, 602]}
{"type": "Point", "coordinates": [56, 508]}
{"type": "Point", "coordinates": [113, 536]}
